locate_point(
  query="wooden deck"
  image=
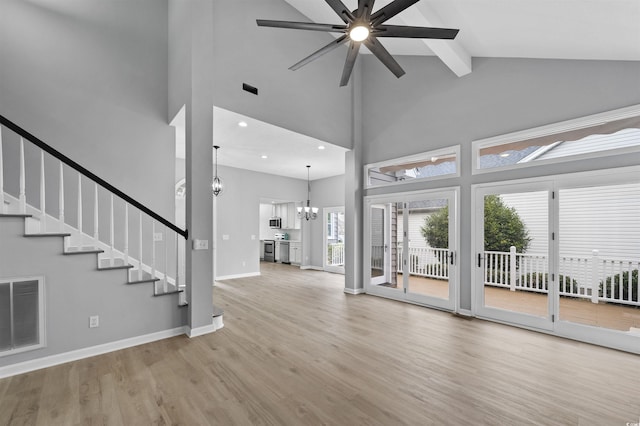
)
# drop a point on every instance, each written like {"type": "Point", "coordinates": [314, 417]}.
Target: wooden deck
{"type": "Point", "coordinates": [582, 311]}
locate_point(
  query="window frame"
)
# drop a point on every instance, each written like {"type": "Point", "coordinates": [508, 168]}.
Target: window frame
{"type": "Point", "coordinates": [41, 315]}
{"type": "Point", "coordinates": [550, 129]}
{"type": "Point", "coordinates": [454, 149]}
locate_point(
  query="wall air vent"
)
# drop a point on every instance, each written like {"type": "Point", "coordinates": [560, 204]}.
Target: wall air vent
{"type": "Point", "coordinates": [248, 88]}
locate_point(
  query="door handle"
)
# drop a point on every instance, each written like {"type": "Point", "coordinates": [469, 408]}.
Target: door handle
{"type": "Point", "coordinates": [479, 260]}
{"type": "Point", "coordinates": [451, 256]}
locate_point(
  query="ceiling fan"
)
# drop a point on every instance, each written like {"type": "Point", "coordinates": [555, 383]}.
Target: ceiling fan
{"type": "Point", "coordinates": [361, 26]}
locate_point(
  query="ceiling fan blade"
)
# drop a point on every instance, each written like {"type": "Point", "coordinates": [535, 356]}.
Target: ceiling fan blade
{"type": "Point", "coordinates": [352, 55]}
{"type": "Point", "coordinates": [301, 25]}
{"type": "Point", "coordinates": [415, 32]}
{"type": "Point", "coordinates": [364, 8]}
{"type": "Point", "coordinates": [342, 11]}
{"type": "Point", "coordinates": [390, 10]}
{"type": "Point", "coordinates": [385, 57]}
{"type": "Point", "coordinates": [315, 55]}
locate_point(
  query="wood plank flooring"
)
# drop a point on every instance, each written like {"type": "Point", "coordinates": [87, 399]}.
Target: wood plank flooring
{"type": "Point", "coordinates": [296, 350]}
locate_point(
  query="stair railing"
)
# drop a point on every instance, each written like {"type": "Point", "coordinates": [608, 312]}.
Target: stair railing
{"type": "Point", "coordinates": [146, 230]}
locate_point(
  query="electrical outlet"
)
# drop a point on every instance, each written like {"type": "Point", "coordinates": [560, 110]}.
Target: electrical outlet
{"type": "Point", "coordinates": [157, 236]}
{"type": "Point", "coordinates": [94, 321]}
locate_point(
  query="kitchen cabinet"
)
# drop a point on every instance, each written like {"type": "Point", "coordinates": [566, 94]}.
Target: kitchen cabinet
{"type": "Point", "coordinates": [295, 252]}
{"type": "Point", "coordinates": [277, 251]}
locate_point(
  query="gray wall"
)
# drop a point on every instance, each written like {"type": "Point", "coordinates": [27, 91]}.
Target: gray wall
{"type": "Point", "coordinates": [90, 78]}
{"type": "Point", "coordinates": [308, 100]}
{"type": "Point", "coordinates": [238, 216]}
{"type": "Point", "coordinates": [125, 311]}
{"type": "Point", "coordinates": [431, 108]}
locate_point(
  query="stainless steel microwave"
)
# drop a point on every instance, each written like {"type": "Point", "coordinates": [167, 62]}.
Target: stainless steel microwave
{"type": "Point", "coordinates": [275, 222]}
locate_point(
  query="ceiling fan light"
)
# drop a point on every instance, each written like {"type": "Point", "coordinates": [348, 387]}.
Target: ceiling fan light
{"type": "Point", "coordinates": [359, 33]}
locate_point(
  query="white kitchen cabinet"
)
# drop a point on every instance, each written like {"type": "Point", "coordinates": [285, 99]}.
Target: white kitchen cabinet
{"type": "Point", "coordinates": [277, 254]}
{"type": "Point", "coordinates": [284, 215]}
{"type": "Point", "coordinates": [295, 252]}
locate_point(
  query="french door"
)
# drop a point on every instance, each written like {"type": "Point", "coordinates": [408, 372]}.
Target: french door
{"type": "Point", "coordinates": [561, 254]}
{"type": "Point", "coordinates": [411, 244]}
{"type": "Point", "coordinates": [513, 255]}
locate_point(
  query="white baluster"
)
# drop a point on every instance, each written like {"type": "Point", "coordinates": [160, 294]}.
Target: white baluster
{"type": "Point", "coordinates": [23, 196]}
{"type": "Point", "coordinates": [177, 262]}
{"type": "Point", "coordinates": [43, 196]}
{"type": "Point", "coordinates": [96, 233]}
{"type": "Point", "coordinates": [111, 261]}
{"type": "Point", "coordinates": [153, 249]}
{"type": "Point", "coordinates": [140, 245]}
{"type": "Point", "coordinates": [166, 258]}
{"type": "Point", "coordinates": [80, 235]}
{"type": "Point", "coordinates": [126, 233]}
{"type": "Point", "coordinates": [61, 199]}
{"type": "Point", "coordinates": [3, 207]}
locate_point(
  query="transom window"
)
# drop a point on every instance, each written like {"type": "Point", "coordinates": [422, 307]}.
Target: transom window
{"type": "Point", "coordinates": [612, 132]}
{"type": "Point", "coordinates": [441, 163]}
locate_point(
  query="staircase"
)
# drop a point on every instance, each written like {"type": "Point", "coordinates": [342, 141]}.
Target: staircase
{"type": "Point", "coordinates": [119, 232]}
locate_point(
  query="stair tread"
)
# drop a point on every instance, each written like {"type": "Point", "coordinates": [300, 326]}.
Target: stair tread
{"type": "Point", "coordinates": [87, 251]}
{"type": "Point", "coordinates": [148, 280]}
{"type": "Point", "coordinates": [15, 215]}
{"type": "Point", "coordinates": [108, 268]}
{"type": "Point", "coordinates": [168, 292]}
{"type": "Point", "coordinates": [49, 234]}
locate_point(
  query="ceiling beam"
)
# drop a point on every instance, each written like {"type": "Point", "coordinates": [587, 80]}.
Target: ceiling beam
{"type": "Point", "coordinates": [450, 52]}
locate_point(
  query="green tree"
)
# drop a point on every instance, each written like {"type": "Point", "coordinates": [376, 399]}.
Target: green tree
{"type": "Point", "coordinates": [503, 227]}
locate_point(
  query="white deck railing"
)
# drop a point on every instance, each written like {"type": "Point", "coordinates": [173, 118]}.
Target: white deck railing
{"type": "Point", "coordinates": [426, 262]}
{"type": "Point", "coordinates": [335, 255]}
{"type": "Point", "coordinates": [156, 243]}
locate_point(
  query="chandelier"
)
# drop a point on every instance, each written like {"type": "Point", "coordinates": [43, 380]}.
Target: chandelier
{"type": "Point", "coordinates": [216, 185]}
{"type": "Point", "coordinates": [308, 212]}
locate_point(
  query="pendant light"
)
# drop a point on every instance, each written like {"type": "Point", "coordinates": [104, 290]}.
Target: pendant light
{"type": "Point", "coordinates": [216, 185]}
{"type": "Point", "coordinates": [308, 212]}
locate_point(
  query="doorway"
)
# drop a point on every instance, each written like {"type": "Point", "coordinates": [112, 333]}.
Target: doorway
{"type": "Point", "coordinates": [333, 259]}
{"type": "Point", "coordinates": [411, 244]}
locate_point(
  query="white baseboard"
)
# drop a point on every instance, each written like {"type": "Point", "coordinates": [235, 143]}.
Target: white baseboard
{"type": "Point", "coordinates": [315, 268]}
{"type": "Point", "coordinates": [234, 276]}
{"type": "Point", "coordinates": [49, 361]}
{"type": "Point", "coordinates": [217, 324]}
{"type": "Point", "coordinates": [354, 290]}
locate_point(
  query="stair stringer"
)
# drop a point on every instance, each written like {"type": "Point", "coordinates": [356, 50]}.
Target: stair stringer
{"type": "Point", "coordinates": [80, 240]}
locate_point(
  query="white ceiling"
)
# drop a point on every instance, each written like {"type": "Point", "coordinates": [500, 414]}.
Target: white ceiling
{"type": "Point", "coordinates": [569, 29]}
{"type": "Point", "coordinates": [552, 29]}
{"type": "Point", "coordinates": [288, 153]}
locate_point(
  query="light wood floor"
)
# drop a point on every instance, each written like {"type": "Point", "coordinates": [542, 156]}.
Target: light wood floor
{"type": "Point", "coordinates": [296, 350]}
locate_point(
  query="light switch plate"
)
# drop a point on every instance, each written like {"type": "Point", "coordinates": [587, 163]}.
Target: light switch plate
{"type": "Point", "coordinates": [225, 237]}
{"type": "Point", "coordinates": [201, 244]}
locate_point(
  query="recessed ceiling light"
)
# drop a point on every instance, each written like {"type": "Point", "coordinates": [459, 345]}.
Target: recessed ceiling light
{"type": "Point", "coordinates": [321, 147]}
{"type": "Point", "coordinates": [264, 157]}
{"type": "Point", "coordinates": [242, 124]}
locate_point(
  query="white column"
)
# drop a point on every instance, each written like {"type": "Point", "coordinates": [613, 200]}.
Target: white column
{"type": "Point", "coordinates": [43, 196]}
{"type": "Point", "coordinates": [61, 198]}
{"type": "Point", "coordinates": [23, 196]}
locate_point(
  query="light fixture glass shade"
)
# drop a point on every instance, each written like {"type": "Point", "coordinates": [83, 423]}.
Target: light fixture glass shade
{"type": "Point", "coordinates": [299, 209]}
{"type": "Point", "coordinates": [217, 186]}
{"type": "Point", "coordinates": [359, 33]}
{"type": "Point", "coordinates": [314, 210]}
